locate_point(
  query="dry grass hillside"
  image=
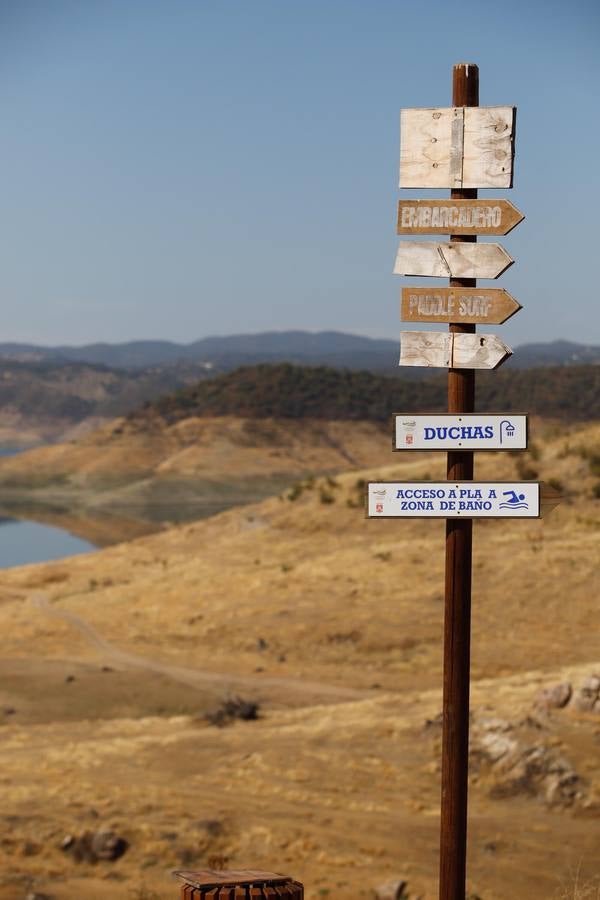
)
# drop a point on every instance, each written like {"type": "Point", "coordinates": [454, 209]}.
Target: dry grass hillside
{"type": "Point", "coordinates": [332, 623]}
{"type": "Point", "coordinates": [202, 465]}
{"type": "Point", "coordinates": [242, 436]}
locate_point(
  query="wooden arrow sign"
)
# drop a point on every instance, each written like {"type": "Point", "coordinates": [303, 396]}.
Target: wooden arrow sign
{"type": "Point", "coordinates": [451, 260]}
{"type": "Point", "coordinates": [457, 216]}
{"type": "Point", "coordinates": [457, 147]}
{"type": "Point", "coordinates": [436, 349]}
{"type": "Point", "coordinates": [480, 306]}
{"type": "Point", "coordinates": [460, 499]}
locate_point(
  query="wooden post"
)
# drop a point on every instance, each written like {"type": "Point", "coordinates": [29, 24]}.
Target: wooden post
{"type": "Point", "coordinates": [457, 614]}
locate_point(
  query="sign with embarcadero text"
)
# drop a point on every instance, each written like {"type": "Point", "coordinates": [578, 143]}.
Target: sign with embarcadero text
{"type": "Point", "coordinates": [464, 431]}
{"type": "Point", "coordinates": [454, 499]}
{"type": "Point", "coordinates": [457, 216]}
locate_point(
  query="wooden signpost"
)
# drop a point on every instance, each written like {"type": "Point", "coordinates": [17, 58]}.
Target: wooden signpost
{"type": "Point", "coordinates": [457, 216]}
{"type": "Point", "coordinates": [463, 147]}
{"type": "Point", "coordinates": [451, 260]}
{"type": "Point", "coordinates": [438, 349]}
{"type": "Point", "coordinates": [485, 306]}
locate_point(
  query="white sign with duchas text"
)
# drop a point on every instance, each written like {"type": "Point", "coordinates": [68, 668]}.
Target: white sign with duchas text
{"type": "Point", "coordinates": [464, 431]}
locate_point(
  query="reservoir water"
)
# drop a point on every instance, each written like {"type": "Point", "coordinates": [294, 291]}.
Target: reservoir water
{"type": "Point", "coordinates": [23, 542]}
{"type": "Point", "coordinates": [40, 530]}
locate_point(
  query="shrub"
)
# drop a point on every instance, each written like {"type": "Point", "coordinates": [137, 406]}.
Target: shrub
{"type": "Point", "coordinates": [593, 459]}
{"type": "Point", "coordinates": [235, 708]}
{"type": "Point", "coordinates": [594, 463]}
{"type": "Point", "coordinates": [525, 470]}
{"type": "Point", "coordinates": [325, 496]}
{"type": "Point", "coordinates": [295, 491]}
{"type": "Point", "coordinates": [534, 452]}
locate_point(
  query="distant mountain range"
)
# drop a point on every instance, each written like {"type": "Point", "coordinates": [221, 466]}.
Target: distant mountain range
{"type": "Point", "coordinates": [331, 348]}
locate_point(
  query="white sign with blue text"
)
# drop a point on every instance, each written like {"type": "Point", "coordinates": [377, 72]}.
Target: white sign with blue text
{"type": "Point", "coordinates": [464, 431]}
{"type": "Point", "coordinates": [450, 500]}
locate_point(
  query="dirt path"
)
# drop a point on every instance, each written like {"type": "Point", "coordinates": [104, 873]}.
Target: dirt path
{"type": "Point", "coordinates": [308, 690]}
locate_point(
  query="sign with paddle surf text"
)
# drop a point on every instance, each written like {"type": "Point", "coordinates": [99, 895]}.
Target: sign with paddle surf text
{"type": "Point", "coordinates": [476, 306]}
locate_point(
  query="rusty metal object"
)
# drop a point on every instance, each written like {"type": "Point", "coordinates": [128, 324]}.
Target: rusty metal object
{"type": "Point", "coordinates": [237, 884]}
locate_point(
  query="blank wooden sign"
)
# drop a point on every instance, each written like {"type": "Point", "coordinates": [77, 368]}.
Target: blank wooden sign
{"type": "Point", "coordinates": [443, 350]}
{"type": "Point", "coordinates": [432, 349]}
{"type": "Point", "coordinates": [457, 147]}
{"type": "Point", "coordinates": [451, 260]}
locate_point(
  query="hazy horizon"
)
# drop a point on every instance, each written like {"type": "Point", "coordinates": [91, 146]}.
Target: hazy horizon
{"type": "Point", "coordinates": [192, 341]}
{"type": "Point", "coordinates": [240, 334]}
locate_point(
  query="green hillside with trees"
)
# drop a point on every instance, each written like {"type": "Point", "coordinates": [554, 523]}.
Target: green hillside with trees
{"type": "Point", "coordinates": [288, 391]}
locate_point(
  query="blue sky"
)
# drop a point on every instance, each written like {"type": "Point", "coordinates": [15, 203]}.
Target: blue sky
{"type": "Point", "coordinates": [178, 169]}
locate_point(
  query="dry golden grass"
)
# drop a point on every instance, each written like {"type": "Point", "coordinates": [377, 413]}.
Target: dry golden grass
{"type": "Point", "coordinates": [333, 622]}
{"type": "Point", "coordinates": [576, 889]}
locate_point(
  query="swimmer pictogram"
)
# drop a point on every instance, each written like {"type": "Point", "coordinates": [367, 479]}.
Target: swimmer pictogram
{"type": "Point", "coordinates": [515, 501]}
